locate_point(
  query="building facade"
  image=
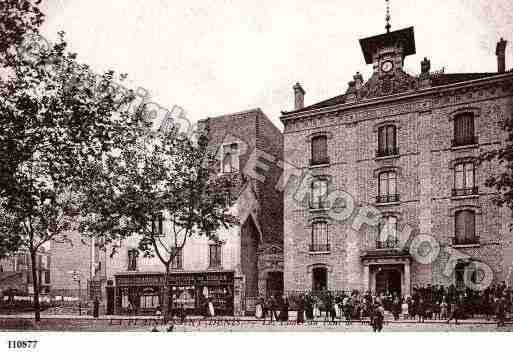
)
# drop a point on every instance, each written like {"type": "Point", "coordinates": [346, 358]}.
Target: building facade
{"type": "Point", "coordinates": [247, 259]}
{"type": "Point", "coordinates": [16, 273]}
{"type": "Point", "coordinates": [390, 165]}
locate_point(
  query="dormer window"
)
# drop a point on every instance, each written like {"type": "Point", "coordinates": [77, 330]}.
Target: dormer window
{"type": "Point", "coordinates": [387, 141]}
{"type": "Point", "coordinates": [464, 130]}
{"type": "Point", "coordinates": [230, 158]}
{"type": "Point", "coordinates": [319, 150]}
{"type": "Point", "coordinates": [133, 254]}
{"type": "Point", "coordinates": [157, 224]}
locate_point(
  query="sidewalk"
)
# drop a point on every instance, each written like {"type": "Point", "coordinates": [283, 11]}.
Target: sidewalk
{"type": "Point", "coordinates": [118, 319]}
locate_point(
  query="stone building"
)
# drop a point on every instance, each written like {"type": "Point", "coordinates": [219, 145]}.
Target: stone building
{"type": "Point", "coordinates": [16, 273]}
{"type": "Point", "coordinates": [249, 259]}
{"type": "Point", "coordinates": [399, 153]}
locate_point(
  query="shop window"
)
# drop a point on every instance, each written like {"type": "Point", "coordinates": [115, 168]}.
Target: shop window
{"type": "Point", "coordinates": [319, 150]}
{"type": "Point", "coordinates": [215, 255]}
{"type": "Point", "coordinates": [387, 187]}
{"type": "Point", "coordinates": [387, 141]}
{"type": "Point", "coordinates": [149, 300]}
{"type": "Point", "coordinates": [230, 158]}
{"type": "Point", "coordinates": [464, 130]}
{"type": "Point", "coordinates": [319, 192]}
{"type": "Point", "coordinates": [464, 179]}
{"type": "Point", "coordinates": [320, 239]}
{"type": "Point", "coordinates": [465, 228]}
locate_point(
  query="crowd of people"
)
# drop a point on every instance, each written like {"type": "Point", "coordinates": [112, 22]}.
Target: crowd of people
{"type": "Point", "coordinates": [433, 302]}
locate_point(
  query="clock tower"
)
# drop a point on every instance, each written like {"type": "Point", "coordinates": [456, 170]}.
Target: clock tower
{"type": "Point", "coordinates": [386, 52]}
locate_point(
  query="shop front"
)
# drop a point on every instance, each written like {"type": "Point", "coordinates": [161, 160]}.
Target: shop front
{"type": "Point", "coordinates": [142, 293]}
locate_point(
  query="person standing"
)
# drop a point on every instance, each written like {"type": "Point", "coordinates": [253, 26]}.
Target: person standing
{"type": "Point", "coordinates": [378, 317]}
{"type": "Point", "coordinates": [301, 310]}
{"type": "Point", "coordinates": [211, 311]}
{"type": "Point", "coordinates": [501, 312]}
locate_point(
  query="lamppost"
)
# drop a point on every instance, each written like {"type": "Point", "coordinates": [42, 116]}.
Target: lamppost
{"type": "Point", "coordinates": [76, 278]}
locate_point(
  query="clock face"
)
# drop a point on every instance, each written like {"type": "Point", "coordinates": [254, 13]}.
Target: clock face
{"type": "Point", "coordinates": [387, 66]}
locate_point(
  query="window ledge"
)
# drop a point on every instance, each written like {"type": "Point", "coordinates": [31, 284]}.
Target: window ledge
{"type": "Point", "coordinates": [319, 253]}
{"type": "Point", "coordinates": [317, 210]}
{"type": "Point", "coordinates": [322, 165]}
{"type": "Point", "coordinates": [215, 268]}
{"type": "Point", "coordinates": [464, 147]}
{"type": "Point", "coordinates": [475, 245]}
{"type": "Point", "coordinates": [472, 196]}
{"type": "Point", "coordinates": [387, 204]}
{"type": "Point", "coordinates": [387, 157]}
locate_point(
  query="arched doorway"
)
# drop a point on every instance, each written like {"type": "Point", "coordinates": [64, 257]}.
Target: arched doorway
{"type": "Point", "coordinates": [319, 278]}
{"type": "Point", "coordinates": [274, 284]}
{"type": "Point", "coordinates": [388, 280]}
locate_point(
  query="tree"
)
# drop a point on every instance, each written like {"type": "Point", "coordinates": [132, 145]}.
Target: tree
{"type": "Point", "coordinates": [17, 19]}
{"type": "Point", "coordinates": [160, 174]}
{"type": "Point", "coordinates": [502, 179]}
{"type": "Point", "coordinates": [55, 116]}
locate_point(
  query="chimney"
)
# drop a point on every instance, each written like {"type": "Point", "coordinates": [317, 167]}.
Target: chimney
{"type": "Point", "coordinates": [425, 66]}
{"type": "Point", "coordinates": [299, 97]}
{"type": "Point", "coordinates": [358, 81]}
{"type": "Point", "coordinates": [501, 55]}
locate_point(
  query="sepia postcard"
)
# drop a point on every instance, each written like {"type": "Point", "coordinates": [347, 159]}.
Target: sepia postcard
{"type": "Point", "coordinates": [254, 166]}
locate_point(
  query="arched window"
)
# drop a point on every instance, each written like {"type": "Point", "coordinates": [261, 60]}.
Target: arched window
{"type": "Point", "coordinates": [465, 227]}
{"type": "Point", "coordinates": [387, 141]}
{"type": "Point", "coordinates": [464, 179]}
{"type": "Point", "coordinates": [387, 233]}
{"type": "Point", "coordinates": [319, 150]}
{"type": "Point", "coordinates": [320, 239]}
{"type": "Point", "coordinates": [387, 187]}
{"type": "Point", "coordinates": [464, 130]}
{"type": "Point", "coordinates": [230, 162]}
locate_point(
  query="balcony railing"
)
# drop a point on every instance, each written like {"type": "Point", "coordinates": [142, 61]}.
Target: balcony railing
{"type": "Point", "coordinates": [387, 152]}
{"type": "Point", "coordinates": [465, 141]}
{"type": "Point", "coordinates": [319, 205]}
{"type": "Point", "coordinates": [320, 161]}
{"type": "Point", "coordinates": [320, 247]}
{"type": "Point", "coordinates": [471, 191]}
{"type": "Point", "coordinates": [465, 241]}
{"type": "Point", "coordinates": [390, 198]}
{"type": "Point", "coordinates": [389, 243]}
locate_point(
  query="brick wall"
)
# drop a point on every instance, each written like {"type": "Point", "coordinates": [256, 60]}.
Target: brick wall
{"type": "Point", "coordinates": [424, 182]}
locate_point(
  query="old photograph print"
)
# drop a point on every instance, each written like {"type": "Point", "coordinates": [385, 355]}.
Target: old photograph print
{"type": "Point", "coordinates": [242, 166]}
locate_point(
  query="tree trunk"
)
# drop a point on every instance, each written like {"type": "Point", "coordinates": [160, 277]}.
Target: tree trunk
{"type": "Point", "coordinates": [166, 308]}
{"type": "Point", "coordinates": [35, 283]}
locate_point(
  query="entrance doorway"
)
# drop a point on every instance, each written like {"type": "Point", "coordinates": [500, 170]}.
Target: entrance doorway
{"type": "Point", "coordinates": [274, 284]}
{"type": "Point", "coordinates": [388, 280]}
{"type": "Point", "coordinates": [319, 278]}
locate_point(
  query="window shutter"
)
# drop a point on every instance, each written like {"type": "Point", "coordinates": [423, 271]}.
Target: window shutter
{"type": "Point", "coordinates": [459, 230]}
{"type": "Point", "coordinates": [382, 139]}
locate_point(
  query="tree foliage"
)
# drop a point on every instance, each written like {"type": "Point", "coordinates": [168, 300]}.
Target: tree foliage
{"type": "Point", "coordinates": [501, 158]}
{"type": "Point", "coordinates": [56, 115]}
{"type": "Point", "coordinates": [159, 174]}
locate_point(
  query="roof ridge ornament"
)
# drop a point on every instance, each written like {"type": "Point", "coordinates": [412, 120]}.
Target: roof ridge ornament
{"type": "Point", "coordinates": [388, 17]}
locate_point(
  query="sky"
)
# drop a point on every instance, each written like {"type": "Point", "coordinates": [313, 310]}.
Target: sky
{"type": "Point", "coordinates": [213, 57]}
